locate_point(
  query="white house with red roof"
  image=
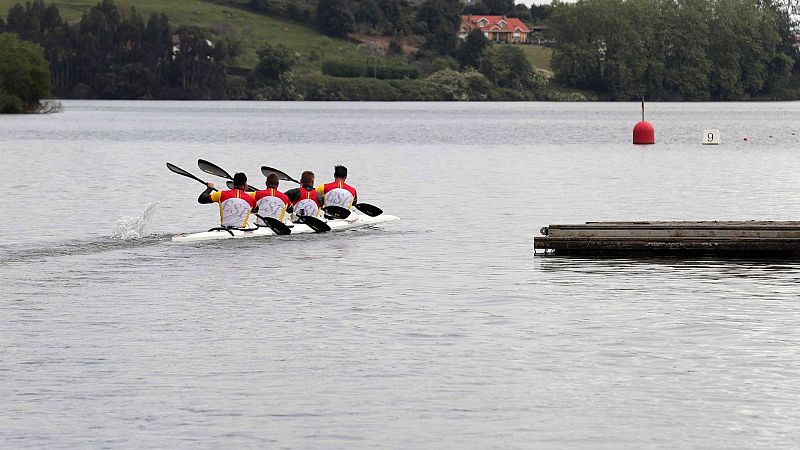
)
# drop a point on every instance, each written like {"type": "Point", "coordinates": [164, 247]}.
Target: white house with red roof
{"type": "Point", "coordinates": [495, 28]}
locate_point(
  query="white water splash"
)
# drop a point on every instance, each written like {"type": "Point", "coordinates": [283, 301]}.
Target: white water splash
{"type": "Point", "coordinates": [134, 227]}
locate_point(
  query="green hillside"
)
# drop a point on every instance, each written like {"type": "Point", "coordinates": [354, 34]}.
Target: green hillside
{"type": "Point", "coordinates": [251, 30]}
{"type": "Point", "coordinates": [231, 19]}
{"type": "Point", "coordinates": [538, 56]}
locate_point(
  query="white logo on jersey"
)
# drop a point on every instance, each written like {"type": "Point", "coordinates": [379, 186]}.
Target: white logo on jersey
{"type": "Point", "coordinates": [270, 207]}
{"type": "Point", "coordinates": [234, 212]}
{"type": "Point", "coordinates": [305, 207]}
{"type": "Point", "coordinates": [339, 197]}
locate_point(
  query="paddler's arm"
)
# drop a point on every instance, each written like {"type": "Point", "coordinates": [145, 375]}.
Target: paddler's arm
{"type": "Point", "coordinates": [254, 210]}
{"type": "Point", "coordinates": [320, 194]}
{"type": "Point", "coordinates": [209, 195]}
{"type": "Point", "coordinates": [293, 195]}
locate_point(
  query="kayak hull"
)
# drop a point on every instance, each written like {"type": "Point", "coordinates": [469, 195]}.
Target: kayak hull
{"type": "Point", "coordinates": [359, 221]}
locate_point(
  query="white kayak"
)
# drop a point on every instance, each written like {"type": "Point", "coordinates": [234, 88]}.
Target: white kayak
{"type": "Point", "coordinates": [354, 221]}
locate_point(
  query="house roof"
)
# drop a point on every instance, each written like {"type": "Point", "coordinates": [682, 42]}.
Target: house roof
{"type": "Point", "coordinates": [494, 23]}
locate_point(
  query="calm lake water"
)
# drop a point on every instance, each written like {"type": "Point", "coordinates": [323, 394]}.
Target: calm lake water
{"type": "Point", "coordinates": [440, 331]}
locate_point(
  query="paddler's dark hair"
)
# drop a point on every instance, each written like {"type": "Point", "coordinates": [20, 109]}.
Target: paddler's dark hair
{"type": "Point", "coordinates": [239, 180]}
{"type": "Point", "coordinates": [307, 178]}
{"type": "Point", "coordinates": [272, 180]}
{"type": "Point", "coordinates": [339, 172]}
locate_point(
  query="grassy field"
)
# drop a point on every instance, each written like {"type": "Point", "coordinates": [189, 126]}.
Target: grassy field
{"type": "Point", "coordinates": [251, 30]}
{"type": "Point", "coordinates": [538, 56]}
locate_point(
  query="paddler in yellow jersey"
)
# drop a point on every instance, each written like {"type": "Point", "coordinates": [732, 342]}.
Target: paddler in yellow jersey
{"type": "Point", "coordinates": [235, 205]}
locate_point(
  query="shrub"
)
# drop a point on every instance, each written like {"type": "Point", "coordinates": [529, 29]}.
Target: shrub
{"type": "Point", "coordinates": [430, 62]}
{"type": "Point", "coordinates": [359, 69]}
{"type": "Point", "coordinates": [274, 63]}
{"type": "Point", "coordinates": [24, 75]}
{"type": "Point", "coordinates": [396, 46]}
{"type": "Point", "coordinates": [326, 88]}
{"type": "Point", "coordinates": [415, 40]}
{"type": "Point", "coordinates": [507, 66]}
{"type": "Point", "coordinates": [509, 95]}
{"type": "Point", "coordinates": [343, 69]}
{"type": "Point", "coordinates": [469, 85]}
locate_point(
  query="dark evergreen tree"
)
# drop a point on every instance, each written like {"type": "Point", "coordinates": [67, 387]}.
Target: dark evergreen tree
{"type": "Point", "coordinates": [522, 12]}
{"type": "Point", "coordinates": [334, 18]}
{"type": "Point", "coordinates": [477, 9]}
{"type": "Point", "coordinates": [370, 14]}
{"type": "Point", "coordinates": [440, 19]}
{"type": "Point", "coordinates": [471, 50]}
{"type": "Point", "coordinates": [540, 13]}
{"type": "Point", "coordinates": [42, 24]}
{"type": "Point", "coordinates": [500, 7]}
{"type": "Point", "coordinates": [157, 49]}
{"type": "Point", "coordinates": [198, 66]}
{"type": "Point", "coordinates": [274, 63]}
{"type": "Point", "coordinates": [393, 14]}
{"type": "Point", "coordinates": [261, 6]}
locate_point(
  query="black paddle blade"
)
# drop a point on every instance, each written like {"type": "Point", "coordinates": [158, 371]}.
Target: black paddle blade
{"type": "Point", "coordinates": [313, 223]}
{"type": "Point", "coordinates": [337, 212]}
{"type": "Point", "coordinates": [213, 169]}
{"type": "Point", "coordinates": [180, 171]}
{"type": "Point", "coordinates": [266, 170]}
{"type": "Point", "coordinates": [370, 210]}
{"type": "Point", "coordinates": [276, 225]}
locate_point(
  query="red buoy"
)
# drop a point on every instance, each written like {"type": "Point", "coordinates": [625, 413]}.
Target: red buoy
{"type": "Point", "coordinates": [643, 132]}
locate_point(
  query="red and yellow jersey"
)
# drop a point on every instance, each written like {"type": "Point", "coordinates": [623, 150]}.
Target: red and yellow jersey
{"type": "Point", "coordinates": [271, 203]}
{"type": "Point", "coordinates": [338, 193]}
{"type": "Point", "coordinates": [234, 207]}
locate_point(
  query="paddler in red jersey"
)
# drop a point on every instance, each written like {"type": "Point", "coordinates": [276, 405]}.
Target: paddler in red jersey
{"type": "Point", "coordinates": [338, 193]}
{"type": "Point", "coordinates": [271, 202]}
{"type": "Point", "coordinates": [306, 201]}
{"type": "Point", "coordinates": [235, 205]}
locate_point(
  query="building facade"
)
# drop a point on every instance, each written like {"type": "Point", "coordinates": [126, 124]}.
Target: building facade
{"type": "Point", "coordinates": [503, 29]}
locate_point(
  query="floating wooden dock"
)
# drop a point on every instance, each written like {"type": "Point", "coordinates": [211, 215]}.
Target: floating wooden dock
{"type": "Point", "coordinates": [724, 238]}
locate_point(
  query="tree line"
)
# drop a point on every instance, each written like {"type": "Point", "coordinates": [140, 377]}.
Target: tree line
{"type": "Point", "coordinates": [619, 49]}
{"type": "Point", "coordinates": [676, 49]}
{"type": "Point", "coordinates": [113, 53]}
{"type": "Point", "coordinates": [384, 17]}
